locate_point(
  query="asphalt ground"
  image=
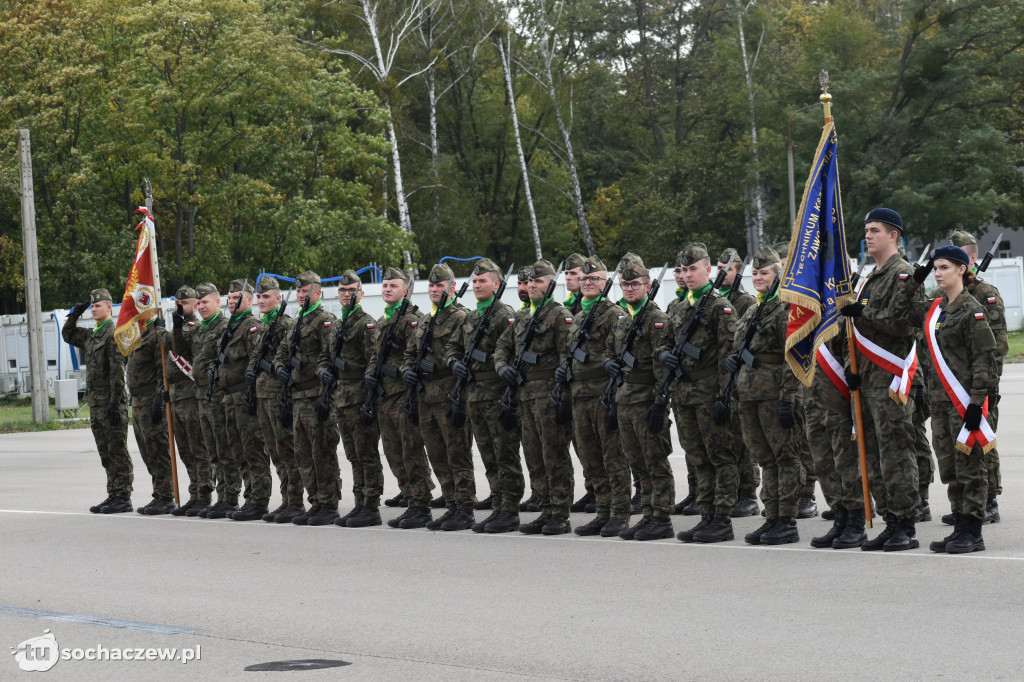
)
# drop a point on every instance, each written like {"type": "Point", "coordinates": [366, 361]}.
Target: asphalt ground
{"type": "Point", "coordinates": [460, 606]}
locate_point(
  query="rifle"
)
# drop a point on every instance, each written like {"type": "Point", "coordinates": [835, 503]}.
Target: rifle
{"type": "Point", "coordinates": [508, 410]}
{"type": "Point", "coordinates": [721, 408]}
{"type": "Point", "coordinates": [991, 254]}
{"type": "Point", "coordinates": [292, 363]}
{"type": "Point", "coordinates": [659, 408]}
{"type": "Point", "coordinates": [262, 364]}
{"type": "Point", "coordinates": [337, 363]}
{"type": "Point", "coordinates": [563, 409]}
{"type": "Point", "coordinates": [421, 365]}
{"type": "Point", "coordinates": [457, 408]}
{"type": "Point", "coordinates": [214, 374]}
{"type": "Point", "coordinates": [626, 357]}
{"type": "Point", "coordinates": [368, 412]}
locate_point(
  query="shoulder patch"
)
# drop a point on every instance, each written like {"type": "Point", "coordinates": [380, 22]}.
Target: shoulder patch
{"type": "Point", "coordinates": [327, 323]}
{"type": "Point", "coordinates": [252, 330]}
{"type": "Point", "coordinates": [413, 323]}
{"type": "Point", "coordinates": [511, 320]}
{"type": "Point", "coordinates": [568, 320]}
{"type": "Point", "coordinates": [370, 325]}
{"type": "Point", "coordinates": [659, 325]}
{"type": "Point", "coordinates": [904, 275]}
{"type": "Point", "coordinates": [979, 316]}
{"type": "Point", "coordinates": [191, 324]}
{"type": "Point", "coordinates": [727, 310]}
{"type": "Point", "coordinates": [991, 299]}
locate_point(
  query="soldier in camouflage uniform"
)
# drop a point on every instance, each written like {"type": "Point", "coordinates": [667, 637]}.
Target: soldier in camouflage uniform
{"type": "Point", "coordinates": [105, 396]}
{"type": "Point", "coordinates": [749, 472]}
{"type": "Point", "coordinates": [316, 441]}
{"type": "Point", "coordinates": [357, 332]}
{"type": "Point", "coordinates": [499, 449]}
{"type": "Point", "coordinates": [573, 267]}
{"type": "Point", "coordinates": [542, 435]}
{"type": "Point", "coordinates": [145, 378]}
{"type": "Point", "coordinates": [403, 445]}
{"type": "Point", "coordinates": [245, 437]}
{"type": "Point", "coordinates": [604, 463]}
{"type": "Point", "coordinates": [988, 296]}
{"type": "Point", "coordinates": [888, 425]}
{"type": "Point", "coordinates": [647, 452]}
{"type": "Point", "coordinates": [181, 391]}
{"type": "Point", "coordinates": [767, 391]}
{"type": "Point", "coordinates": [693, 397]}
{"type": "Point", "coordinates": [534, 461]}
{"type": "Point", "coordinates": [688, 505]}
{"type": "Point", "coordinates": [965, 357]}
{"type": "Point", "coordinates": [278, 436]}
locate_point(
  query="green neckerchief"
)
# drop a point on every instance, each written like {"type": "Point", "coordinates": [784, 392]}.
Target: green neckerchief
{"type": "Point", "coordinates": [447, 305]}
{"type": "Point", "coordinates": [482, 306]}
{"type": "Point", "coordinates": [534, 307]}
{"type": "Point", "coordinates": [206, 323]}
{"type": "Point", "coordinates": [522, 305]}
{"type": "Point", "coordinates": [589, 303]}
{"type": "Point", "coordinates": [725, 291]}
{"type": "Point", "coordinates": [267, 318]}
{"type": "Point", "coordinates": [760, 297]}
{"type": "Point", "coordinates": [623, 304]}
{"type": "Point", "coordinates": [633, 311]}
{"type": "Point", "coordinates": [100, 325]}
{"type": "Point", "coordinates": [345, 311]}
{"type": "Point", "coordinates": [390, 310]}
{"type": "Point", "coordinates": [237, 316]}
{"type": "Point", "coordinates": [694, 295]}
{"type": "Point", "coordinates": [571, 299]}
{"type": "Point", "coordinates": [681, 291]}
{"type": "Point", "coordinates": [974, 269]}
{"type": "Point", "coordinates": [312, 308]}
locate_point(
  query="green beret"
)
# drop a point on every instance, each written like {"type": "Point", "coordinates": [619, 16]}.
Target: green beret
{"type": "Point", "coordinates": [486, 265]}
{"type": "Point", "coordinates": [962, 239]}
{"type": "Point", "coordinates": [727, 254]}
{"type": "Point", "coordinates": [237, 284]}
{"type": "Point", "coordinates": [782, 248]}
{"type": "Point", "coordinates": [267, 283]}
{"type": "Point", "coordinates": [185, 291]}
{"type": "Point", "coordinates": [524, 273]}
{"type": "Point", "coordinates": [593, 264]}
{"type": "Point", "coordinates": [764, 257]}
{"type": "Point", "coordinates": [204, 289]}
{"type": "Point", "coordinates": [349, 277]}
{"type": "Point", "coordinates": [99, 295]}
{"type": "Point", "coordinates": [440, 273]}
{"type": "Point", "coordinates": [541, 268]}
{"type": "Point", "coordinates": [395, 273]}
{"type": "Point", "coordinates": [575, 260]}
{"type": "Point", "coordinates": [692, 253]}
{"type": "Point", "coordinates": [306, 278]}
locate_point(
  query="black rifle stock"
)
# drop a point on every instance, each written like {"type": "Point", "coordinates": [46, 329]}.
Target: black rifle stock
{"type": "Point", "coordinates": [292, 363]}
{"type": "Point", "coordinates": [420, 365]}
{"type": "Point", "coordinates": [225, 338]}
{"type": "Point", "coordinates": [262, 364]}
{"type": "Point", "coordinates": [368, 412]}
{"type": "Point", "coordinates": [337, 363]}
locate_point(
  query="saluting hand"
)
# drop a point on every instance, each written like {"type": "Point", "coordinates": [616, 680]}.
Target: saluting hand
{"type": "Point", "coordinates": [921, 273]}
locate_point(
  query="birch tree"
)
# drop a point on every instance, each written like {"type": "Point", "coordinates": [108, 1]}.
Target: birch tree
{"type": "Point", "coordinates": [754, 209]}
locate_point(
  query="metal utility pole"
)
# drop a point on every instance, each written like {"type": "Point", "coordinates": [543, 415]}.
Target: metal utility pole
{"type": "Point", "coordinates": [33, 303]}
{"type": "Point", "coordinates": [789, 162]}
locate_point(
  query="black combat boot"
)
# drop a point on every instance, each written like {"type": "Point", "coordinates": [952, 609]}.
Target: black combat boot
{"type": "Point", "coordinates": [342, 520]}
{"type": "Point", "coordinates": [970, 539]}
{"type": "Point", "coordinates": [367, 516]}
{"type": "Point", "coordinates": [201, 506]}
{"type": "Point", "coordinates": [922, 513]}
{"type": "Point", "coordinates": [614, 527]}
{"type": "Point", "coordinates": [397, 521]}
{"type": "Point", "coordinates": [659, 528]}
{"type": "Point", "coordinates": [631, 532]}
{"type": "Point", "coordinates": [254, 513]}
{"type": "Point", "coordinates": [637, 507]}
{"type": "Point", "coordinates": [480, 526]}
{"type": "Point", "coordinates": [435, 524]}
{"type": "Point", "coordinates": [958, 528]}
{"type": "Point", "coordinates": [396, 501]}
{"type": "Point", "coordinates": [530, 504]}
{"type": "Point", "coordinates": [876, 543]}
{"type": "Point", "coordinates": [418, 517]}
{"type": "Point", "coordinates": [324, 517]}
{"type": "Point", "coordinates": [783, 532]}
{"type": "Point", "coordinates": [591, 508]}
{"type": "Point", "coordinates": [269, 516]}
{"type": "Point", "coordinates": [462, 519]}
{"type": "Point", "coordinates": [838, 526]}
{"type": "Point", "coordinates": [484, 504]}
{"type": "Point", "coordinates": [828, 514]}
{"type": "Point", "coordinates": [288, 514]}
{"type": "Point", "coordinates": [683, 504]}
{"type": "Point", "coordinates": [245, 507]}
{"type": "Point", "coordinates": [754, 538]}
{"type": "Point", "coordinates": [95, 509]}
{"type": "Point", "coordinates": [905, 537]}
{"type": "Point", "coordinates": [592, 528]}
{"type": "Point", "coordinates": [183, 509]}
{"type": "Point", "coordinates": [687, 535]}
{"type": "Point", "coordinates": [212, 506]}
{"type": "Point", "coordinates": [556, 525]}
{"type": "Point", "coordinates": [438, 503]}
{"type": "Point", "coordinates": [806, 506]}
{"type": "Point", "coordinates": [222, 513]}
{"type": "Point", "coordinates": [718, 530]}
{"type": "Point", "coordinates": [991, 513]}
{"type": "Point", "coordinates": [143, 508]}
{"type": "Point", "coordinates": [303, 518]}
{"type": "Point", "coordinates": [161, 506]}
{"type": "Point", "coordinates": [534, 527]}
{"type": "Point", "coordinates": [949, 519]}
{"type": "Point", "coordinates": [117, 505]}
{"type": "Point", "coordinates": [581, 504]}
{"type": "Point", "coordinates": [853, 534]}
{"type": "Point", "coordinates": [505, 522]}
{"type": "Point", "coordinates": [746, 505]}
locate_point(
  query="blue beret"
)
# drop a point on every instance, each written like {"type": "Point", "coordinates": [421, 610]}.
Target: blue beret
{"type": "Point", "coordinates": [885, 215]}
{"type": "Point", "coordinates": [952, 253]}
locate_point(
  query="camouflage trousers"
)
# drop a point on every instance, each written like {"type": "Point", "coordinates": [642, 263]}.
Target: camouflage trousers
{"type": "Point", "coordinates": [154, 448]}
{"type": "Point", "coordinates": [713, 463]}
{"type": "Point", "coordinates": [777, 451]}
{"type": "Point", "coordinates": [892, 462]}
{"type": "Point", "coordinates": [965, 476]}
{"type": "Point", "coordinates": [214, 428]}
{"type": "Point", "coordinates": [823, 455]}
{"type": "Point", "coordinates": [316, 453]}
{"type": "Point", "coordinates": [280, 442]}
{"type": "Point", "coordinates": [112, 445]}
{"type": "Point", "coordinates": [450, 453]}
{"type": "Point", "coordinates": [546, 439]}
{"type": "Point", "coordinates": [923, 449]}
{"type": "Point", "coordinates": [647, 454]}
{"type": "Point", "coordinates": [749, 472]}
{"type": "Point", "coordinates": [804, 450]}
{"type": "Point", "coordinates": [601, 456]}
{"type": "Point", "coordinates": [360, 443]}
{"type": "Point", "coordinates": [995, 478]}
{"type": "Point", "coordinates": [251, 455]}
{"type": "Point", "coordinates": [188, 436]}
{"type": "Point", "coordinates": [403, 448]}
{"type": "Point", "coordinates": [499, 450]}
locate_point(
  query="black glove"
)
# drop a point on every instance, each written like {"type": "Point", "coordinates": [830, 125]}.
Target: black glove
{"type": "Point", "coordinates": [78, 309]}
{"type": "Point", "coordinates": [283, 374]}
{"type": "Point", "coordinates": [156, 412]}
{"type": "Point", "coordinates": [612, 368]}
{"type": "Point", "coordinates": [668, 359]}
{"type": "Point", "coordinates": [787, 414]}
{"type": "Point", "coordinates": [920, 396]}
{"type": "Point", "coordinates": [509, 375]}
{"type": "Point", "coordinates": [972, 417]}
{"type": "Point", "coordinates": [250, 377]}
{"type": "Point", "coordinates": [732, 363]}
{"type": "Point", "coordinates": [410, 378]}
{"type": "Point", "coordinates": [323, 410]}
{"type": "Point", "coordinates": [921, 272]}
{"type": "Point", "coordinates": [179, 317]}
{"type": "Point", "coordinates": [165, 396]}
{"type": "Point", "coordinates": [370, 381]}
{"type": "Point", "coordinates": [114, 414]}
{"type": "Point", "coordinates": [211, 376]}
{"type": "Point", "coordinates": [460, 370]}
{"type": "Point", "coordinates": [563, 374]}
{"type": "Point", "coordinates": [852, 380]}
{"type": "Point", "coordinates": [852, 309]}
{"type": "Point", "coordinates": [159, 321]}
{"type": "Point", "coordinates": [326, 378]}
{"type": "Point", "coordinates": [720, 413]}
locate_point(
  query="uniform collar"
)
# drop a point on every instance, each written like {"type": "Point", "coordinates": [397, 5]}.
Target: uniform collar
{"type": "Point", "coordinates": [207, 323]}
{"type": "Point", "coordinates": [101, 325]}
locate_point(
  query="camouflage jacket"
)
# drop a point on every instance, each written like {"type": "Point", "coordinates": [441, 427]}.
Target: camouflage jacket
{"type": "Point", "coordinates": [550, 342]}
{"type": "Point", "coordinates": [390, 381]}
{"type": "Point", "coordinates": [144, 372]}
{"type": "Point", "coordinates": [638, 386]}
{"type": "Point", "coordinates": [104, 369]}
{"type": "Point", "coordinates": [822, 392]}
{"type": "Point", "coordinates": [438, 383]}
{"type": "Point", "coordinates": [588, 378]}
{"type": "Point", "coordinates": [178, 384]}
{"type": "Point", "coordinates": [772, 379]}
{"type": "Point", "coordinates": [988, 296]}
{"type": "Point", "coordinates": [201, 344]}
{"type": "Point", "coordinates": [880, 323]}
{"type": "Point", "coordinates": [700, 378]}
{"type": "Point", "coordinates": [740, 299]}
{"type": "Point", "coordinates": [358, 333]}
{"type": "Point", "coordinates": [267, 384]}
{"type": "Point", "coordinates": [241, 348]}
{"type": "Point", "coordinates": [485, 384]}
{"type": "Point", "coordinates": [314, 336]}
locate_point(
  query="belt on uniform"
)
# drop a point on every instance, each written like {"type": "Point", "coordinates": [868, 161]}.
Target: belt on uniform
{"type": "Point", "coordinates": [235, 388]}
{"type": "Point", "coordinates": [350, 376]}
{"type": "Point", "coordinates": [643, 378]}
{"type": "Point", "coordinates": [539, 375]}
{"type": "Point", "coordinates": [770, 358]}
{"type": "Point", "coordinates": [439, 373]}
{"type": "Point", "coordinates": [589, 374]}
{"type": "Point", "coordinates": [484, 376]}
{"type": "Point", "coordinates": [701, 374]}
{"type": "Point", "coordinates": [306, 386]}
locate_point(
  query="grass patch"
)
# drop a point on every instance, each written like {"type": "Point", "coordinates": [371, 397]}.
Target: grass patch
{"type": "Point", "coordinates": [16, 417]}
{"type": "Point", "coordinates": [1016, 352]}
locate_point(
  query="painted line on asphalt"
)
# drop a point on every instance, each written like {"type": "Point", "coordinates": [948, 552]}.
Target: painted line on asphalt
{"type": "Point", "coordinates": [80, 619]}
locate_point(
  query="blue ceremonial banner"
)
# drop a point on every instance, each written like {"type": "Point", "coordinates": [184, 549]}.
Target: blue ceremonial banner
{"type": "Point", "coordinates": [817, 278]}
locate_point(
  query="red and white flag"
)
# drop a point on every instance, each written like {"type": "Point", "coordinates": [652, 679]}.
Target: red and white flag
{"type": "Point", "coordinates": [139, 303]}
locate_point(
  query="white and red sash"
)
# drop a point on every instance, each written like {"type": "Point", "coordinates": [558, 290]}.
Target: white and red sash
{"type": "Point", "coordinates": [965, 440]}
{"type": "Point", "coordinates": [181, 363]}
{"type": "Point", "coordinates": [902, 369]}
{"type": "Point", "coordinates": [833, 370]}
